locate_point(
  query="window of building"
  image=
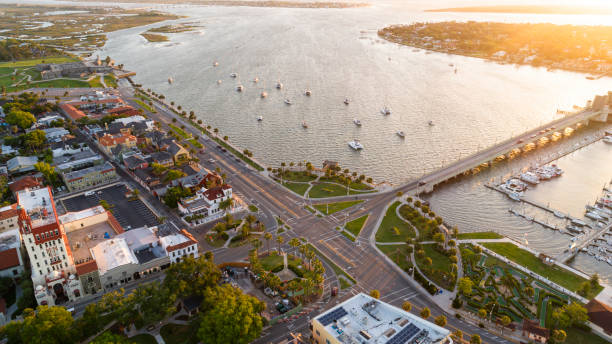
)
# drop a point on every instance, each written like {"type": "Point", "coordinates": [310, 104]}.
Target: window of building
{"type": "Point", "coordinates": [35, 256]}
{"type": "Point", "coordinates": [15, 272]}
{"type": "Point", "coordinates": [48, 270]}
{"type": "Point", "coordinates": [40, 272]}
{"type": "Point", "coordinates": [37, 237]}
{"type": "Point", "coordinates": [30, 240]}
{"type": "Point", "coordinates": [37, 264]}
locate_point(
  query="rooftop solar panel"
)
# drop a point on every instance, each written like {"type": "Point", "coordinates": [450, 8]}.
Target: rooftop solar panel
{"type": "Point", "coordinates": [331, 316]}
{"type": "Point", "coordinates": [404, 335]}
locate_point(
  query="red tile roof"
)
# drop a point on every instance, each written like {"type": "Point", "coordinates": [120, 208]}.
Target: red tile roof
{"type": "Point", "coordinates": [99, 101]}
{"type": "Point", "coordinates": [9, 259]}
{"type": "Point", "coordinates": [110, 140]}
{"type": "Point", "coordinates": [214, 193]}
{"type": "Point", "coordinates": [87, 267]}
{"type": "Point", "coordinates": [72, 112]}
{"type": "Point", "coordinates": [13, 212]}
{"type": "Point", "coordinates": [600, 314]}
{"type": "Point", "coordinates": [123, 110]}
{"type": "Point", "coordinates": [25, 182]}
{"type": "Point", "coordinates": [3, 305]}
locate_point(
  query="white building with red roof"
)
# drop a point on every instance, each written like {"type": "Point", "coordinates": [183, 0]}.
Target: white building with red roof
{"type": "Point", "coordinates": [11, 260]}
{"type": "Point", "coordinates": [179, 245]}
{"type": "Point", "coordinates": [204, 206]}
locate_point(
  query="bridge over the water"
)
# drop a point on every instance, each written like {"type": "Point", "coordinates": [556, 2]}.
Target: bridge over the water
{"type": "Point", "coordinates": [598, 110]}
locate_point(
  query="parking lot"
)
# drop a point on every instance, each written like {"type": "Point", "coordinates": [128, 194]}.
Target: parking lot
{"type": "Point", "coordinates": [130, 213]}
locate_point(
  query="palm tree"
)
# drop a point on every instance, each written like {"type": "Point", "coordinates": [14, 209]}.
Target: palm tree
{"type": "Point", "coordinates": [282, 170]}
{"type": "Point", "coordinates": [348, 182]}
{"type": "Point", "coordinates": [295, 242]}
{"type": "Point", "coordinates": [268, 237]}
{"type": "Point", "coordinates": [280, 240]}
{"type": "Point", "coordinates": [256, 245]}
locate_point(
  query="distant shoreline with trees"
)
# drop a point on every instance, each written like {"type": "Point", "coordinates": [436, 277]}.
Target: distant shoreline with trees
{"type": "Point", "coordinates": [532, 9]}
{"type": "Point", "coordinates": [585, 49]}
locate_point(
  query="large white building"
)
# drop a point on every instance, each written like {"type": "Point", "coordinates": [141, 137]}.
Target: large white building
{"type": "Point", "coordinates": [179, 245]}
{"type": "Point", "coordinates": [47, 246]}
{"type": "Point", "coordinates": [205, 202]}
{"type": "Point", "coordinates": [363, 319]}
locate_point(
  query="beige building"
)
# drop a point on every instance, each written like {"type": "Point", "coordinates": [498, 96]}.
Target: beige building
{"type": "Point", "coordinates": [9, 218]}
{"type": "Point", "coordinates": [362, 319]}
{"type": "Point", "coordinates": [89, 177]}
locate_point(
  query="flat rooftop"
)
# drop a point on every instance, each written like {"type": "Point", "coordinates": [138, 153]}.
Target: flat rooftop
{"type": "Point", "coordinates": [363, 319]}
{"type": "Point", "coordinates": [81, 241]}
{"type": "Point", "coordinates": [10, 239]}
{"type": "Point", "coordinates": [38, 205]}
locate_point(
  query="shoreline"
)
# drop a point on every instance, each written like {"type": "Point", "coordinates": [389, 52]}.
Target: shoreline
{"type": "Point", "coordinates": [528, 9]}
{"type": "Point", "coordinates": [240, 3]}
{"type": "Point", "coordinates": [426, 36]}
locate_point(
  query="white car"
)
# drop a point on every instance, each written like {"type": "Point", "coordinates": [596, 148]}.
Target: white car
{"type": "Point", "coordinates": [211, 160]}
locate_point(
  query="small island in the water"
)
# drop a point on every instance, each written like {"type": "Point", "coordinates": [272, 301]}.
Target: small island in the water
{"type": "Point", "coordinates": [585, 49]}
{"type": "Point", "coordinates": [532, 9]}
{"type": "Point", "coordinates": [247, 3]}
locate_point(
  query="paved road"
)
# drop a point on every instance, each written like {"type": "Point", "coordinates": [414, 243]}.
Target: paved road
{"type": "Point", "coordinates": [360, 259]}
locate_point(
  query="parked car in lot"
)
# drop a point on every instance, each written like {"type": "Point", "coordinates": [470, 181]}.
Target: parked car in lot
{"type": "Point", "coordinates": [211, 160]}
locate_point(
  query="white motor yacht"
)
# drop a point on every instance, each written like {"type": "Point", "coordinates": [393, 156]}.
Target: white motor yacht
{"type": "Point", "coordinates": [357, 122]}
{"type": "Point", "coordinates": [431, 123]}
{"type": "Point", "coordinates": [578, 222]}
{"type": "Point", "coordinates": [346, 101]}
{"type": "Point", "coordinates": [239, 88]}
{"type": "Point", "coordinates": [279, 85]}
{"type": "Point", "coordinates": [256, 80]}
{"type": "Point", "coordinates": [385, 111]}
{"type": "Point", "coordinates": [264, 94]}
{"type": "Point", "coordinates": [287, 101]}
{"type": "Point", "coordinates": [514, 196]}
{"type": "Point", "coordinates": [215, 64]}
{"type": "Point", "coordinates": [400, 133]}
{"type": "Point", "coordinates": [559, 214]}
{"type": "Point", "coordinates": [170, 80]}
{"type": "Point", "coordinates": [574, 229]}
{"type": "Point", "coordinates": [308, 92]}
{"type": "Point", "coordinates": [259, 118]}
{"type": "Point", "coordinates": [233, 75]}
{"type": "Point", "coordinates": [355, 144]}
{"type": "Point", "coordinates": [304, 124]}
{"type": "Point", "coordinates": [607, 139]}
{"type": "Point", "coordinates": [529, 177]}
{"type": "Point", "coordinates": [593, 216]}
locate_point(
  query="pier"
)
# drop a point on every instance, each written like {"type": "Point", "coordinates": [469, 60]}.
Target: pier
{"type": "Point", "coordinates": [571, 253]}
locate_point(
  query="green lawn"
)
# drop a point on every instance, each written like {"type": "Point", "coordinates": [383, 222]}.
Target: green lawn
{"type": "Point", "coordinates": [144, 105]}
{"type": "Point", "coordinates": [34, 62]}
{"type": "Point", "coordinates": [524, 258]}
{"type": "Point", "coordinates": [323, 190]}
{"type": "Point", "coordinates": [110, 80]}
{"type": "Point", "coordinates": [398, 253]}
{"type": "Point", "coordinates": [338, 270]}
{"type": "Point", "coordinates": [348, 236]}
{"type": "Point", "coordinates": [253, 208]}
{"type": "Point", "coordinates": [578, 336]}
{"type": "Point", "coordinates": [310, 209]}
{"type": "Point", "coordinates": [179, 334]}
{"type": "Point", "coordinates": [216, 241]}
{"type": "Point", "coordinates": [182, 133]}
{"type": "Point", "coordinates": [57, 83]}
{"type": "Point", "coordinates": [298, 188]}
{"type": "Point", "coordinates": [154, 38]}
{"type": "Point", "coordinates": [195, 143]}
{"type": "Point", "coordinates": [356, 225]}
{"type": "Point", "coordinates": [385, 232]}
{"type": "Point", "coordinates": [95, 82]}
{"type": "Point", "coordinates": [143, 339]}
{"type": "Point", "coordinates": [298, 176]}
{"type": "Point", "coordinates": [335, 207]}
{"type": "Point", "coordinates": [440, 263]}
{"type": "Point", "coordinates": [353, 185]}
{"type": "Point", "coordinates": [479, 235]}
{"type": "Point", "coordinates": [271, 261]}
{"type": "Point", "coordinates": [344, 283]}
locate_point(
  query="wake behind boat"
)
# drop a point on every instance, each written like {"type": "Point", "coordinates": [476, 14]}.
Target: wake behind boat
{"type": "Point", "coordinates": [385, 111]}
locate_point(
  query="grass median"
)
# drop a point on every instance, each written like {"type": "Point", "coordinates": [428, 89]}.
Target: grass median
{"type": "Point", "coordinates": [338, 270]}
{"type": "Point", "coordinates": [330, 208]}
{"type": "Point", "coordinates": [479, 235]}
{"type": "Point", "coordinates": [355, 226]}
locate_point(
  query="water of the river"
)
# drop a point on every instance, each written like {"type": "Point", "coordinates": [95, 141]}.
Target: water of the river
{"type": "Point", "coordinates": [337, 54]}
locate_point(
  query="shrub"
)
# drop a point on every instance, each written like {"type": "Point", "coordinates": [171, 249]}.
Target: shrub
{"type": "Point", "coordinates": [481, 325]}
{"type": "Point", "coordinates": [224, 236]}
{"type": "Point", "coordinates": [458, 316]}
{"type": "Point", "coordinates": [457, 302]}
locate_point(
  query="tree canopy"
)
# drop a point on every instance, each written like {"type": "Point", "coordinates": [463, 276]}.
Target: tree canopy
{"type": "Point", "coordinates": [231, 317]}
{"type": "Point", "coordinates": [22, 119]}
{"type": "Point", "coordinates": [192, 276]}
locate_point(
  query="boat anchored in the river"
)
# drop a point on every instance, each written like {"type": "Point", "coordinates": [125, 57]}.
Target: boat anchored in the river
{"type": "Point", "coordinates": [264, 94]}
{"type": "Point", "coordinates": [355, 145]}
{"type": "Point", "coordinates": [233, 75]}
{"type": "Point", "coordinates": [170, 80]}
{"type": "Point", "coordinates": [219, 82]}
{"type": "Point", "coordinates": [215, 64]}
{"type": "Point", "coordinates": [287, 101]}
{"type": "Point", "coordinates": [357, 122]}
{"type": "Point", "coordinates": [304, 125]}
{"type": "Point", "coordinates": [346, 101]}
{"type": "Point", "coordinates": [431, 123]}
{"type": "Point", "coordinates": [279, 85]}
{"type": "Point", "coordinates": [256, 80]}
{"type": "Point", "coordinates": [239, 88]}
{"type": "Point", "coordinates": [259, 118]}
{"type": "Point", "coordinates": [401, 133]}
{"type": "Point", "coordinates": [308, 92]}
{"type": "Point", "coordinates": [385, 111]}
{"type": "Point", "coordinates": [529, 177]}
{"type": "Point", "coordinates": [607, 139]}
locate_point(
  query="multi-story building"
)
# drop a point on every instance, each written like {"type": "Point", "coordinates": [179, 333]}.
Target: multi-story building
{"type": "Point", "coordinates": [108, 141]}
{"type": "Point", "coordinates": [179, 245]}
{"type": "Point", "coordinates": [47, 247]}
{"type": "Point", "coordinates": [205, 203]}
{"type": "Point", "coordinates": [11, 260]}
{"type": "Point", "coordinates": [89, 177]}
{"type": "Point", "coordinates": [364, 319]}
{"type": "Point", "coordinates": [9, 218]}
